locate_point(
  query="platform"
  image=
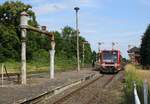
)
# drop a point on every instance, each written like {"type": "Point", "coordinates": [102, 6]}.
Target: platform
{"type": "Point", "coordinates": [39, 84]}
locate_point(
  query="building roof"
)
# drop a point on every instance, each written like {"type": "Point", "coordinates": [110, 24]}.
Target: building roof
{"type": "Point", "coordinates": [134, 49]}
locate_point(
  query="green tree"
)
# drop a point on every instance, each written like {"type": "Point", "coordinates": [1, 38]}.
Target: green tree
{"type": "Point", "coordinates": [145, 48]}
{"type": "Point", "coordinates": [69, 42]}
{"type": "Point", "coordinates": [69, 47]}
{"type": "Point", "coordinates": [9, 28]}
{"type": "Point", "coordinates": [10, 36]}
{"type": "Point", "coordinates": [94, 56]}
{"type": "Point", "coordinates": [37, 45]}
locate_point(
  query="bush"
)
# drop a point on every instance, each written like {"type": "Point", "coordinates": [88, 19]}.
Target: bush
{"type": "Point", "coordinates": [134, 73]}
{"type": "Point", "coordinates": [41, 56]}
{"type": "Point", "coordinates": [128, 88]}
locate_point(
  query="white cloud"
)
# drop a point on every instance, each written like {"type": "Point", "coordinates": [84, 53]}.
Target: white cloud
{"type": "Point", "coordinates": [36, 1]}
{"type": "Point", "coordinates": [48, 8]}
{"type": "Point", "coordinates": [85, 1]}
{"type": "Point", "coordinates": [88, 32]}
{"type": "Point", "coordinates": [90, 3]}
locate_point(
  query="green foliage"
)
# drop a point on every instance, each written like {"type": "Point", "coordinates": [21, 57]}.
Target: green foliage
{"type": "Point", "coordinates": [69, 42]}
{"type": "Point", "coordinates": [64, 64]}
{"type": "Point", "coordinates": [38, 45]}
{"type": "Point", "coordinates": [88, 54]}
{"type": "Point", "coordinates": [9, 42]}
{"type": "Point", "coordinates": [9, 28]}
{"type": "Point", "coordinates": [145, 48]}
{"type": "Point", "coordinates": [41, 56]}
{"type": "Point", "coordinates": [132, 74]}
{"type": "Point", "coordinates": [94, 56]}
{"type": "Point", "coordinates": [66, 45]}
{"type": "Point", "coordinates": [124, 59]}
{"type": "Point", "coordinates": [128, 88]}
{"type": "Point", "coordinates": [10, 12]}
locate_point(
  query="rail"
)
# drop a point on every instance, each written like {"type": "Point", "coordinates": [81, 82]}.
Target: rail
{"type": "Point", "coordinates": [49, 94]}
{"type": "Point", "coordinates": [78, 89]}
{"type": "Point", "coordinates": [85, 86]}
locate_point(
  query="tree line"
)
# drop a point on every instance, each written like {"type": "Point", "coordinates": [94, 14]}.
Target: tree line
{"type": "Point", "coordinates": [145, 48]}
{"type": "Point", "coordinates": [38, 45]}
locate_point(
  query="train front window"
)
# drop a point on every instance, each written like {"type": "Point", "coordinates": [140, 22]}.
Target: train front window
{"type": "Point", "coordinates": [110, 56]}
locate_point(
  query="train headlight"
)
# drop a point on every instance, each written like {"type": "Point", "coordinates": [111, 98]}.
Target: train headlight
{"type": "Point", "coordinates": [103, 65]}
{"type": "Point", "coordinates": [116, 65]}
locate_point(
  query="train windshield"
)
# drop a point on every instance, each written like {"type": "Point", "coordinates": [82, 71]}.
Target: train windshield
{"type": "Point", "coordinates": [110, 56]}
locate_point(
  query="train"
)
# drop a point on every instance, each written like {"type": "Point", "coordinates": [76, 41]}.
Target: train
{"type": "Point", "coordinates": [110, 61]}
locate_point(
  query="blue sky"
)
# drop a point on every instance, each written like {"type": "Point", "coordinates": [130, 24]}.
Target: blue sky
{"type": "Point", "coordinates": [121, 21]}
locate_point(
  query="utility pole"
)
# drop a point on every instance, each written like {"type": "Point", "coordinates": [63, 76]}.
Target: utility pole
{"type": "Point", "coordinates": [77, 31]}
{"type": "Point", "coordinates": [99, 45]}
{"type": "Point", "coordinates": [129, 46]}
{"type": "Point", "coordinates": [83, 44]}
{"type": "Point", "coordinates": [113, 44]}
{"type": "Point", "coordinates": [99, 49]}
{"type": "Point", "coordinates": [83, 53]}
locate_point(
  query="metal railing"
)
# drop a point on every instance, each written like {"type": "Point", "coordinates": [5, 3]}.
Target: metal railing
{"type": "Point", "coordinates": [136, 97]}
{"type": "Point", "coordinates": [145, 93]}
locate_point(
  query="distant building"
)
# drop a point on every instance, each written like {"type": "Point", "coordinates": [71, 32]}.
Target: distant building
{"type": "Point", "coordinates": [134, 54]}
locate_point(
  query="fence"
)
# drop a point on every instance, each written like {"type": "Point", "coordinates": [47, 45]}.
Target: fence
{"type": "Point", "coordinates": [4, 73]}
{"type": "Point", "coordinates": [145, 93]}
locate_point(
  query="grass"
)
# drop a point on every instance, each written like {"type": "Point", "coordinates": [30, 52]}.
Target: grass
{"type": "Point", "coordinates": [15, 67]}
{"type": "Point", "coordinates": [134, 73]}
{"type": "Point", "coordinates": [138, 72]}
{"type": "Point", "coordinates": [61, 64]}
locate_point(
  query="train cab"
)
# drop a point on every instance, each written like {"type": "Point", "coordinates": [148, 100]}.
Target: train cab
{"type": "Point", "coordinates": [110, 60]}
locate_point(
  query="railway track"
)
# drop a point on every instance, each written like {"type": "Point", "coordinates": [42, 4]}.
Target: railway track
{"type": "Point", "coordinates": [96, 95]}
{"type": "Point", "coordinates": [71, 95]}
{"type": "Point", "coordinates": [73, 92]}
{"type": "Point", "coordinates": [77, 92]}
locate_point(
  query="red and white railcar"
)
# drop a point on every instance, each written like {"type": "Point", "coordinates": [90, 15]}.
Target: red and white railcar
{"type": "Point", "coordinates": [110, 60]}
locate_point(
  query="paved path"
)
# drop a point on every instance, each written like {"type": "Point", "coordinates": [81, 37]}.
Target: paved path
{"type": "Point", "coordinates": [38, 84]}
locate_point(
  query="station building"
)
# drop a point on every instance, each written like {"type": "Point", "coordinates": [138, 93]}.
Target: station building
{"type": "Point", "coordinates": [134, 55]}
